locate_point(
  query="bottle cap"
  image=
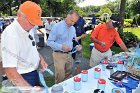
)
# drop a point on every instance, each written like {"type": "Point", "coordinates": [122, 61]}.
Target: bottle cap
{"type": "Point", "coordinates": [84, 72]}
{"type": "Point", "coordinates": [77, 79]}
{"type": "Point", "coordinates": [120, 62]}
{"type": "Point", "coordinates": [105, 62]}
{"type": "Point", "coordinates": [102, 81]}
{"type": "Point", "coordinates": [97, 69]}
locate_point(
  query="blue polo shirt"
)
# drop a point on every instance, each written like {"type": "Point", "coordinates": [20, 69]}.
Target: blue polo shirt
{"type": "Point", "coordinates": [79, 26]}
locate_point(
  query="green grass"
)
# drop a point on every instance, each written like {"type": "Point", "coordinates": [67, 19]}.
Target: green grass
{"type": "Point", "coordinates": [50, 81]}
{"type": "Point", "coordinates": [135, 31]}
{"type": "Point", "coordinates": [86, 48]}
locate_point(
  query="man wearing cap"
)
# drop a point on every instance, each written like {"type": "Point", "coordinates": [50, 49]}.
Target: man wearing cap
{"type": "Point", "coordinates": [20, 57]}
{"type": "Point", "coordinates": [60, 40]}
{"type": "Point", "coordinates": [103, 36]}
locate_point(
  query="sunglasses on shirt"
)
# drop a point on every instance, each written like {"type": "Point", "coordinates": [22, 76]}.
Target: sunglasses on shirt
{"type": "Point", "coordinates": [31, 38]}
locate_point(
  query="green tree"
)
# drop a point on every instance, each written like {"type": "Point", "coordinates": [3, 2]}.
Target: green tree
{"type": "Point", "coordinates": [79, 10]}
{"type": "Point", "coordinates": [105, 9]}
{"type": "Point", "coordinates": [122, 15]}
{"type": "Point", "coordinates": [113, 6]}
{"type": "Point", "coordinates": [56, 7]}
{"type": "Point", "coordinates": [89, 10]}
{"type": "Point", "coordinates": [135, 6]}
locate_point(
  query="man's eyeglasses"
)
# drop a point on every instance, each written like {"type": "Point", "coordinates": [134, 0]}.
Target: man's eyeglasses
{"type": "Point", "coordinates": [31, 38]}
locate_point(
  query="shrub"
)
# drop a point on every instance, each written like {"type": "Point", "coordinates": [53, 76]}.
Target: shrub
{"type": "Point", "coordinates": [128, 22]}
{"type": "Point", "coordinates": [129, 39]}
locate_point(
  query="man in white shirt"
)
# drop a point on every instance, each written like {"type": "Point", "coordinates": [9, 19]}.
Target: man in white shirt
{"type": "Point", "coordinates": [20, 57]}
{"type": "Point", "coordinates": [34, 31]}
{"type": "Point", "coordinates": [48, 26]}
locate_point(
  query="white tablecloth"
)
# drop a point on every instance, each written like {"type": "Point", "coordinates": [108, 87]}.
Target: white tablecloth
{"type": "Point", "coordinates": [91, 84]}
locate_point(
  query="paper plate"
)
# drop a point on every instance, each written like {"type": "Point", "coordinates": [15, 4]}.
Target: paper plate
{"type": "Point", "coordinates": [117, 90]}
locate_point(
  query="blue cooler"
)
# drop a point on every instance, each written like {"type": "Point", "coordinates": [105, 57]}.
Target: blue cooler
{"type": "Point", "coordinates": [91, 46]}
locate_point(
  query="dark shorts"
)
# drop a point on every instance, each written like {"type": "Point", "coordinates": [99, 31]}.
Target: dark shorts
{"type": "Point", "coordinates": [32, 78]}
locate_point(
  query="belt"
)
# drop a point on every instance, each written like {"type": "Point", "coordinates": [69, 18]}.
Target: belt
{"type": "Point", "coordinates": [101, 51]}
{"type": "Point", "coordinates": [61, 51]}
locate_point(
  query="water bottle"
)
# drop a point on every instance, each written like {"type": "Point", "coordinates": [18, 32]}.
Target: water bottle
{"type": "Point", "coordinates": [56, 89]}
{"type": "Point", "coordinates": [119, 65]}
{"type": "Point", "coordinates": [101, 84]}
{"type": "Point", "coordinates": [97, 72]}
{"type": "Point", "coordinates": [104, 64]}
{"type": "Point", "coordinates": [77, 83]}
{"type": "Point", "coordinates": [84, 75]}
{"type": "Point", "coordinates": [138, 49]}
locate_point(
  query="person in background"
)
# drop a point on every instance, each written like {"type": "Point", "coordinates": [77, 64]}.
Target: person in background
{"type": "Point", "coordinates": [48, 27]}
{"type": "Point", "coordinates": [34, 32]}
{"type": "Point", "coordinates": [93, 21]}
{"type": "Point", "coordinates": [1, 68]}
{"type": "Point", "coordinates": [103, 37]}
{"type": "Point", "coordinates": [20, 58]}
{"type": "Point", "coordinates": [53, 22]}
{"type": "Point", "coordinates": [80, 34]}
{"type": "Point", "coordinates": [2, 25]}
{"type": "Point", "coordinates": [60, 40]}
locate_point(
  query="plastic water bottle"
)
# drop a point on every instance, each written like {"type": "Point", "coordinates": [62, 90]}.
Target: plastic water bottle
{"type": "Point", "coordinates": [84, 75]}
{"type": "Point", "coordinates": [138, 49]}
{"type": "Point", "coordinates": [97, 72]}
{"type": "Point", "coordinates": [104, 64]}
{"type": "Point", "coordinates": [56, 89]}
{"type": "Point", "coordinates": [119, 65]}
{"type": "Point", "coordinates": [77, 83]}
{"type": "Point", "coordinates": [101, 84]}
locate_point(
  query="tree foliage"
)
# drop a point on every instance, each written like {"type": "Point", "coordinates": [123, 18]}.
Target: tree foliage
{"type": "Point", "coordinates": [135, 6]}
{"type": "Point", "coordinates": [57, 7]}
{"type": "Point", "coordinates": [49, 7]}
{"type": "Point", "coordinates": [105, 9]}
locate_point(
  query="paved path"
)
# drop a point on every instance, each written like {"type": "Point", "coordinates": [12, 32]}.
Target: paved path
{"type": "Point", "coordinates": [46, 52]}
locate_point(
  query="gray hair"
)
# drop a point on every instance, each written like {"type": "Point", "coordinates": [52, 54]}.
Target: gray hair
{"type": "Point", "coordinates": [73, 12]}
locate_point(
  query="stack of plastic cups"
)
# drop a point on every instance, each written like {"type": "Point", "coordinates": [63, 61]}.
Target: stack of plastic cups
{"type": "Point", "coordinates": [97, 72]}
{"type": "Point", "coordinates": [119, 65]}
{"type": "Point", "coordinates": [77, 83]}
{"type": "Point", "coordinates": [101, 84]}
{"type": "Point", "coordinates": [84, 75]}
{"type": "Point", "coordinates": [104, 64]}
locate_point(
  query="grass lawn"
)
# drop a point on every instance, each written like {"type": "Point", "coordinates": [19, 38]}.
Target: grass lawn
{"type": "Point", "coordinates": [135, 31]}
{"type": "Point", "coordinates": [86, 49]}
{"type": "Point", "coordinates": [86, 41]}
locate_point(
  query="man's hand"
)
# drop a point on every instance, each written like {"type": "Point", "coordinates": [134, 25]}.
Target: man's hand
{"type": "Point", "coordinates": [80, 37]}
{"type": "Point", "coordinates": [83, 35]}
{"type": "Point", "coordinates": [78, 47]}
{"type": "Point", "coordinates": [102, 43]}
{"type": "Point", "coordinates": [66, 48]}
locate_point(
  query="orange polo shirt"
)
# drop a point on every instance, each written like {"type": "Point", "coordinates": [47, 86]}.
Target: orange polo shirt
{"type": "Point", "coordinates": [103, 34]}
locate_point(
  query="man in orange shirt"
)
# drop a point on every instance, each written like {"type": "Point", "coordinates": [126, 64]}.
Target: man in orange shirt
{"type": "Point", "coordinates": [103, 37]}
